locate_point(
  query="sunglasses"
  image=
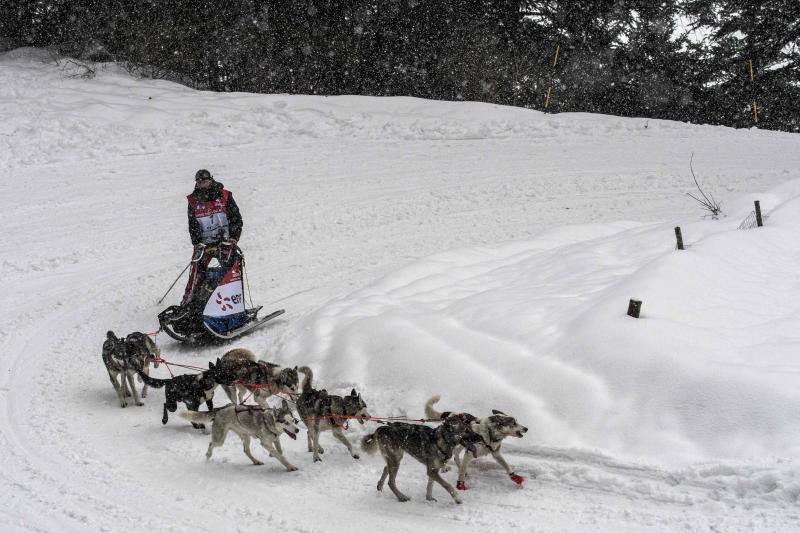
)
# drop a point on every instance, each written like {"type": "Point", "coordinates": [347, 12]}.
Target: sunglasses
{"type": "Point", "coordinates": [205, 179]}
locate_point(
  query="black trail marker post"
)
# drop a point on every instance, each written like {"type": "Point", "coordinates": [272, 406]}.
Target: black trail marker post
{"type": "Point", "coordinates": [634, 307]}
{"type": "Point", "coordinates": [679, 237]}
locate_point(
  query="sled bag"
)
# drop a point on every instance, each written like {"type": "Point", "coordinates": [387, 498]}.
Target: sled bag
{"type": "Point", "coordinates": [225, 309]}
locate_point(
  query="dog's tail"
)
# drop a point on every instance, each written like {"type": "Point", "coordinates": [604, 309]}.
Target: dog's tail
{"type": "Point", "coordinates": [370, 443]}
{"type": "Point", "coordinates": [430, 412]}
{"type": "Point", "coordinates": [199, 416]}
{"type": "Point", "coordinates": [308, 377]}
{"type": "Point", "coordinates": [151, 382]}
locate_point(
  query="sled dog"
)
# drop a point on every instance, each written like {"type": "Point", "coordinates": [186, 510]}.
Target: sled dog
{"type": "Point", "coordinates": [432, 447]}
{"type": "Point", "coordinates": [259, 377]}
{"type": "Point", "coordinates": [191, 389]}
{"type": "Point", "coordinates": [265, 424]}
{"type": "Point", "coordinates": [123, 356]}
{"type": "Point", "coordinates": [492, 430]}
{"type": "Point", "coordinates": [321, 411]}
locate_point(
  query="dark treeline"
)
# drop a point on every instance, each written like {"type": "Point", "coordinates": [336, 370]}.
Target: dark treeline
{"type": "Point", "coordinates": [675, 59]}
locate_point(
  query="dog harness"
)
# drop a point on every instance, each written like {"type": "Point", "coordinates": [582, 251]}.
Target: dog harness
{"type": "Point", "coordinates": [118, 355]}
{"type": "Point", "coordinates": [488, 440]}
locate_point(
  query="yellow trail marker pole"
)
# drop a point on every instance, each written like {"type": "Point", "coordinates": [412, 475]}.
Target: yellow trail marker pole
{"type": "Point", "coordinates": [552, 75]}
{"type": "Point", "coordinates": [752, 89]}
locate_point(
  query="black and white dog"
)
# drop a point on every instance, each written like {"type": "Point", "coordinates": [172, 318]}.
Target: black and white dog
{"type": "Point", "coordinates": [491, 430]}
{"type": "Point", "coordinates": [321, 411]}
{"type": "Point", "coordinates": [122, 358]}
{"type": "Point", "coordinates": [191, 389]}
{"type": "Point", "coordinates": [432, 447]}
{"type": "Point", "coordinates": [263, 423]}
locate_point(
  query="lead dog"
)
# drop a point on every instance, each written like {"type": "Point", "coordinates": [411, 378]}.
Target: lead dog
{"type": "Point", "coordinates": [492, 430]}
{"type": "Point", "coordinates": [122, 357]}
{"type": "Point", "coordinates": [321, 411]}
{"type": "Point", "coordinates": [431, 447]}
{"type": "Point", "coordinates": [260, 378]}
{"type": "Point", "coordinates": [265, 424]}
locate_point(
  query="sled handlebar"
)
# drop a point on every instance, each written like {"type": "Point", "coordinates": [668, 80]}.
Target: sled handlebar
{"type": "Point", "coordinates": [217, 245]}
{"type": "Point", "coordinates": [200, 249]}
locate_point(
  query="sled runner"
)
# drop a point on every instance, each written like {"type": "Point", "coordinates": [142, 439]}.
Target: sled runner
{"type": "Point", "coordinates": [217, 308]}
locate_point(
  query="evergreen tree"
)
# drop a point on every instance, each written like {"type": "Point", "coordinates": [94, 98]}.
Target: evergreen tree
{"type": "Point", "coordinates": [764, 33]}
{"type": "Point", "coordinates": [649, 70]}
{"type": "Point", "coordinates": [625, 57]}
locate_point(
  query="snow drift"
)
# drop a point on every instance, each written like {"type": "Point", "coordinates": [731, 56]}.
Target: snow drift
{"type": "Point", "coordinates": [538, 329]}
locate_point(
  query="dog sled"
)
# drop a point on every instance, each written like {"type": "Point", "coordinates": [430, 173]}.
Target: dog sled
{"type": "Point", "coordinates": [216, 310]}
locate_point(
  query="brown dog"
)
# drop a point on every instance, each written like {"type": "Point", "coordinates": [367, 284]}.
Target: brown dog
{"type": "Point", "coordinates": [260, 378]}
{"type": "Point", "coordinates": [321, 411]}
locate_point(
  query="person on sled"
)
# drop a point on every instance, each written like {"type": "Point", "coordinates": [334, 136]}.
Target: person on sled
{"type": "Point", "coordinates": [214, 218]}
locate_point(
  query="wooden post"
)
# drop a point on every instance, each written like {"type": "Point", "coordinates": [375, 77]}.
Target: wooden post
{"type": "Point", "coordinates": [679, 237]}
{"type": "Point", "coordinates": [634, 307]}
{"type": "Point", "coordinates": [759, 221]}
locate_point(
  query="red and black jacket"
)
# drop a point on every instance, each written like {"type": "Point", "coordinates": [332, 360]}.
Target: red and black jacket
{"type": "Point", "coordinates": [213, 215]}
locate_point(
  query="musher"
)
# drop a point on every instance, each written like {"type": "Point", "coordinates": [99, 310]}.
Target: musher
{"type": "Point", "coordinates": [214, 218]}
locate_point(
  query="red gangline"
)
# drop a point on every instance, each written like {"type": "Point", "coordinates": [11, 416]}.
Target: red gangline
{"type": "Point", "coordinates": [382, 420]}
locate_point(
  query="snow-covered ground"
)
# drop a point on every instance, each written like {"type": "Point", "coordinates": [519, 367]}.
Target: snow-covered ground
{"type": "Point", "coordinates": [483, 253]}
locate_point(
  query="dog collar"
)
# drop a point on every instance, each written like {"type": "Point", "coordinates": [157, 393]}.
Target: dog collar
{"type": "Point", "coordinates": [446, 453]}
{"type": "Point", "coordinates": [492, 440]}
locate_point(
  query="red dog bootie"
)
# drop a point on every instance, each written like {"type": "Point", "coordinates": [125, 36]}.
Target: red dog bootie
{"type": "Point", "coordinates": [460, 485]}
{"type": "Point", "coordinates": [519, 480]}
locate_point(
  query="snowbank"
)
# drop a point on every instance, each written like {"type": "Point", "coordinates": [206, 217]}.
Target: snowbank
{"type": "Point", "coordinates": [538, 329]}
{"type": "Point", "coordinates": [54, 115]}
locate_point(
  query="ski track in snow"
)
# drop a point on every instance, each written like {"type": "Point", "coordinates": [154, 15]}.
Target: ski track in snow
{"type": "Point", "coordinates": [91, 244]}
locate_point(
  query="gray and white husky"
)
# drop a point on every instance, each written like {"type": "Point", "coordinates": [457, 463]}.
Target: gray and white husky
{"type": "Point", "coordinates": [265, 424]}
{"type": "Point", "coordinates": [432, 447]}
{"type": "Point", "coordinates": [492, 430]}
{"type": "Point", "coordinates": [321, 411]}
{"type": "Point", "coordinates": [122, 357]}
